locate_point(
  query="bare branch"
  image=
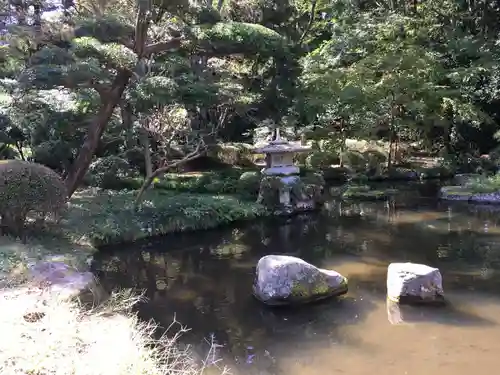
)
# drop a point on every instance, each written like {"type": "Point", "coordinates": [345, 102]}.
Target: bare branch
{"type": "Point", "coordinates": [169, 129]}
{"type": "Point", "coordinates": [198, 152]}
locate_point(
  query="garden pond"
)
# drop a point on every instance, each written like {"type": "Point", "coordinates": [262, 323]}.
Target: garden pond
{"type": "Point", "coordinates": [205, 280]}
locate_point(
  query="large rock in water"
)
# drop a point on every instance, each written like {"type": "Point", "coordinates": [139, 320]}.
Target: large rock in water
{"type": "Point", "coordinates": [414, 283]}
{"type": "Point", "coordinates": [284, 280]}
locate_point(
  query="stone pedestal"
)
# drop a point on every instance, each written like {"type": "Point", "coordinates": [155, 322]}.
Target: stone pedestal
{"type": "Point", "coordinates": [291, 194]}
{"type": "Point", "coordinates": [282, 189]}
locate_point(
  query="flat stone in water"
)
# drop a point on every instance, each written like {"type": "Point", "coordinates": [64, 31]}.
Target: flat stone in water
{"type": "Point", "coordinates": [414, 283]}
{"type": "Point", "coordinates": [287, 280]}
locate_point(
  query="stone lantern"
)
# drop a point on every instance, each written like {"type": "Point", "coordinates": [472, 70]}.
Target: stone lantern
{"type": "Point", "coordinates": [285, 190]}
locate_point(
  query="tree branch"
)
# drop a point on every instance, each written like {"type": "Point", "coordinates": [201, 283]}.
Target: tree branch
{"type": "Point", "coordinates": [160, 47]}
{"type": "Point", "coordinates": [101, 89]}
{"type": "Point", "coordinates": [199, 151]}
{"type": "Point", "coordinates": [310, 23]}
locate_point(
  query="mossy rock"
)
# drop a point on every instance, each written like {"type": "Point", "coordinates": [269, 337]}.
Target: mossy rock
{"type": "Point", "coordinates": [456, 193]}
{"type": "Point", "coordinates": [363, 192]}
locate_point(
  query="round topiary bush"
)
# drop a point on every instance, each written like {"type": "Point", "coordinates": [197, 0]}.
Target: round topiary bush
{"type": "Point", "coordinates": [249, 182]}
{"type": "Point", "coordinates": [108, 172]}
{"type": "Point", "coordinates": [28, 189]}
{"type": "Point", "coordinates": [322, 159]}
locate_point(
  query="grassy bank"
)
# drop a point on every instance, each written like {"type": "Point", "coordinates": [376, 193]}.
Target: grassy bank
{"type": "Point", "coordinates": [475, 189]}
{"type": "Point", "coordinates": [42, 334]}
{"type": "Point", "coordinates": [97, 217]}
{"type": "Point", "coordinates": [483, 184]}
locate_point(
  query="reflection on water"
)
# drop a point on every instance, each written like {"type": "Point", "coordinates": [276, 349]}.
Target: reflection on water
{"type": "Point", "coordinates": [206, 280]}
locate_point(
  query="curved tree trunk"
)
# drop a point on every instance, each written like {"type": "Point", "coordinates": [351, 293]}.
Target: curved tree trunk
{"type": "Point", "coordinates": [96, 128]}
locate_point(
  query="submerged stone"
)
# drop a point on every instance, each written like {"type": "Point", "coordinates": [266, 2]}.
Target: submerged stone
{"type": "Point", "coordinates": [464, 193]}
{"type": "Point", "coordinates": [414, 283]}
{"type": "Point", "coordinates": [285, 280]}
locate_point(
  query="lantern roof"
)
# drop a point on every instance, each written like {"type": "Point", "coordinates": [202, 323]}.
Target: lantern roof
{"type": "Point", "coordinates": [281, 146]}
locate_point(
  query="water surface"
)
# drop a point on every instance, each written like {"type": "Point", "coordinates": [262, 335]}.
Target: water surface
{"type": "Point", "coordinates": [205, 279]}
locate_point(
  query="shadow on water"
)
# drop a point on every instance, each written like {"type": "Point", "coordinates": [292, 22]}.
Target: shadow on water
{"type": "Point", "coordinates": [448, 314]}
{"type": "Point", "coordinates": [205, 279]}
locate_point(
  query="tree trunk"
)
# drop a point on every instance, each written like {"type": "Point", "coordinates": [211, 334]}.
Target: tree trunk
{"type": "Point", "coordinates": [96, 128]}
{"type": "Point", "coordinates": [343, 142]}
{"type": "Point", "coordinates": [128, 124]}
{"type": "Point", "coordinates": [147, 152]}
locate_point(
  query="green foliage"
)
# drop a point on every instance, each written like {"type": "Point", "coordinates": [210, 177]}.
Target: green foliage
{"type": "Point", "coordinates": [115, 55]}
{"type": "Point", "coordinates": [28, 188]}
{"type": "Point", "coordinates": [236, 154]}
{"type": "Point", "coordinates": [105, 217]}
{"type": "Point", "coordinates": [224, 37]}
{"type": "Point", "coordinates": [51, 55]}
{"type": "Point", "coordinates": [249, 182]}
{"type": "Point", "coordinates": [212, 182]}
{"type": "Point", "coordinates": [53, 154]}
{"type": "Point", "coordinates": [107, 30]}
{"type": "Point", "coordinates": [322, 159]}
{"type": "Point", "coordinates": [110, 172]}
{"type": "Point", "coordinates": [313, 179]}
{"type": "Point", "coordinates": [270, 187]}
{"type": "Point", "coordinates": [222, 182]}
{"type": "Point", "coordinates": [483, 184]}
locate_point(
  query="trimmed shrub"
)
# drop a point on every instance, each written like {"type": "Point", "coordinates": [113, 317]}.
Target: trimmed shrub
{"type": "Point", "coordinates": [249, 183]}
{"type": "Point", "coordinates": [109, 172]}
{"type": "Point", "coordinates": [233, 154]}
{"type": "Point", "coordinates": [355, 159]}
{"type": "Point", "coordinates": [322, 159]}
{"type": "Point", "coordinates": [28, 189]}
{"type": "Point", "coordinates": [54, 154]}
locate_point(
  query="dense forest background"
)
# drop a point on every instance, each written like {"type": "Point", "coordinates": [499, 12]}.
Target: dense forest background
{"type": "Point", "coordinates": [120, 84]}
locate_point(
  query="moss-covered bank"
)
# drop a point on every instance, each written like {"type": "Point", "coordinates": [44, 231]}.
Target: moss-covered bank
{"type": "Point", "coordinates": [102, 217]}
{"type": "Point", "coordinates": [395, 174]}
{"type": "Point", "coordinates": [474, 189]}
{"type": "Point", "coordinates": [97, 217]}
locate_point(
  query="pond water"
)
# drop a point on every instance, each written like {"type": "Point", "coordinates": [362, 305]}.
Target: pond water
{"type": "Point", "coordinates": [205, 279]}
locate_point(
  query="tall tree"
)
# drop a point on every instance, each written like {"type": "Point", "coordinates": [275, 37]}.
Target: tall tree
{"type": "Point", "coordinates": [107, 54]}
